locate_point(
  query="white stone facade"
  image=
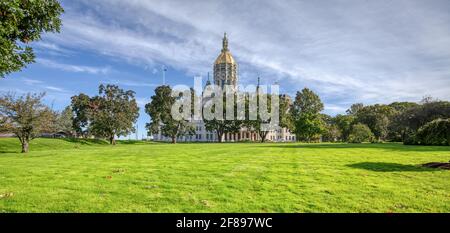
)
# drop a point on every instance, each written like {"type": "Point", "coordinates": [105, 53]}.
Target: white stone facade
{"type": "Point", "coordinates": [202, 135]}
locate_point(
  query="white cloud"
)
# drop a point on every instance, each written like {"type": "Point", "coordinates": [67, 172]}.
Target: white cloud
{"type": "Point", "coordinates": [52, 48]}
{"type": "Point", "coordinates": [53, 88]}
{"type": "Point", "coordinates": [31, 82]}
{"type": "Point", "coordinates": [335, 109]}
{"type": "Point", "coordinates": [73, 68]}
{"type": "Point", "coordinates": [348, 51]}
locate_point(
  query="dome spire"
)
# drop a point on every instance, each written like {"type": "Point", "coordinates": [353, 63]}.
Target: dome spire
{"type": "Point", "coordinates": [225, 43]}
{"type": "Point", "coordinates": [208, 82]}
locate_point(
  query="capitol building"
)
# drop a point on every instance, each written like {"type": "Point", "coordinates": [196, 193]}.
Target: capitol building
{"type": "Point", "coordinates": [226, 73]}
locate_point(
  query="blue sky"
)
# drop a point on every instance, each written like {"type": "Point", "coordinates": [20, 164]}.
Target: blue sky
{"type": "Point", "coordinates": [347, 51]}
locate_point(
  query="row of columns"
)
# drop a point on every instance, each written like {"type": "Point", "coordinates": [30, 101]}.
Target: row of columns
{"type": "Point", "coordinates": [229, 137]}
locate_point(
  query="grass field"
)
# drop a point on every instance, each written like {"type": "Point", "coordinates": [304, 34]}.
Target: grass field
{"type": "Point", "coordinates": [81, 176]}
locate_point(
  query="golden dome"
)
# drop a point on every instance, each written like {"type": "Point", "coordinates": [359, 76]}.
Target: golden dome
{"type": "Point", "coordinates": [225, 56]}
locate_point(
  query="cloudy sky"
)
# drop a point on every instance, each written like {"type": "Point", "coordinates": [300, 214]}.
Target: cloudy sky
{"type": "Point", "coordinates": [347, 51]}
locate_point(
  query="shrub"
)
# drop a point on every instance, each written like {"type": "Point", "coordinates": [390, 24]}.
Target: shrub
{"type": "Point", "coordinates": [410, 138]}
{"type": "Point", "coordinates": [361, 133]}
{"type": "Point", "coordinates": [436, 132]}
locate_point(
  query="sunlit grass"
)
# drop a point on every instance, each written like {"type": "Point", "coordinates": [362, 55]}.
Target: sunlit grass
{"type": "Point", "coordinates": [91, 176]}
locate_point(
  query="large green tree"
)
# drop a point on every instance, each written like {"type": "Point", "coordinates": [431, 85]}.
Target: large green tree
{"type": "Point", "coordinates": [286, 116]}
{"type": "Point", "coordinates": [21, 22]}
{"type": "Point", "coordinates": [260, 125]}
{"type": "Point", "coordinates": [306, 101]}
{"type": "Point", "coordinates": [416, 116]}
{"type": "Point", "coordinates": [377, 117]}
{"type": "Point", "coordinates": [306, 113]}
{"type": "Point", "coordinates": [436, 132]}
{"type": "Point", "coordinates": [113, 112]}
{"type": "Point", "coordinates": [80, 106]}
{"type": "Point", "coordinates": [353, 110]}
{"type": "Point", "coordinates": [409, 121]}
{"type": "Point", "coordinates": [331, 132]}
{"type": "Point", "coordinates": [396, 129]}
{"type": "Point", "coordinates": [344, 124]}
{"type": "Point", "coordinates": [25, 116]}
{"type": "Point", "coordinates": [64, 121]}
{"type": "Point", "coordinates": [221, 125]}
{"type": "Point", "coordinates": [360, 133]}
{"type": "Point", "coordinates": [162, 121]}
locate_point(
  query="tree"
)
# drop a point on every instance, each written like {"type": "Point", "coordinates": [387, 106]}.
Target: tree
{"type": "Point", "coordinates": [436, 132]}
{"type": "Point", "coordinates": [415, 117]}
{"type": "Point", "coordinates": [21, 22]}
{"type": "Point", "coordinates": [264, 126]}
{"type": "Point", "coordinates": [81, 105]}
{"type": "Point", "coordinates": [396, 129]}
{"type": "Point", "coordinates": [402, 106]}
{"type": "Point", "coordinates": [331, 132]}
{"type": "Point", "coordinates": [307, 101]}
{"type": "Point", "coordinates": [344, 124]}
{"type": "Point", "coordinates": [25, 116]}
{"type": "Point", "coordinates": [360, 133]}
{"type": "Point", "coordinates": [309, 126]}
{"type": "Point", "coordinates": [377, 118]}
{"type": "Point", "coordinates": [286, 116]}
{"type": "Point", "coordinates": [64, 121]}
{"type": "Point", "coordinates": [2, 123]}
{"type": "Point", "coordinates": [113, 113]}
{"type": "Point", "coordinates": [162, 121]}
{"type": "Point", "coordinates": [408, 122]}
{"type": "Point", "coordinates": [353, 110]}
{"type": "Point", "coordinates": [224, 126]}
{"type": "Point", "coordinates": [306, 114]}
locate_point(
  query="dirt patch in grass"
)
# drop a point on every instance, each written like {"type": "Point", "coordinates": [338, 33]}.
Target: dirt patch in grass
{"type": "Point", "coordinates": [437, 165]}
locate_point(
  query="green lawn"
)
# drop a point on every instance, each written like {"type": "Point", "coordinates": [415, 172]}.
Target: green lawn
{"type": "Point", "coordinates": [80, 176]}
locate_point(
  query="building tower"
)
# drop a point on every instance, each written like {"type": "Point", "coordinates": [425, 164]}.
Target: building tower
{"type": "Point", "coordinates": [225, 68]}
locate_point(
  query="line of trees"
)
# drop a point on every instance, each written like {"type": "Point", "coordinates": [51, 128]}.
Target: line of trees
{"type": "Point", "coordinates": [424, 123]}
{"type": "Point", "coordinates": [162, 121]}
{"type": "Point", "coordinates": [113, 112]}
{"type": "Point", "coordinates": [108, 115]}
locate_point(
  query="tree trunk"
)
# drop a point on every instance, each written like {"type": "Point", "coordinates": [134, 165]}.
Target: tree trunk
{"type": "Point", "coordinates": [174, 139]}
{"type": "Point", "coordinates": [219, 136]}
{"type": "Point", "coordinates": [25, 147]}
{"type": "Point", "coordinates": [263, 136]}
{"type": "Point", "coordinates": [112, 140]}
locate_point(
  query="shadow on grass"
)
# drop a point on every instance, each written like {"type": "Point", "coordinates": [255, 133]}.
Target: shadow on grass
{"type": "Point", "coordinates": [389, 167]}
{"type": "Point", "coordinates": [9, 151]}
{"type": "Point", "coordinates": [84, 141]}
{"type": "Point", "coordinates": [383, 146]}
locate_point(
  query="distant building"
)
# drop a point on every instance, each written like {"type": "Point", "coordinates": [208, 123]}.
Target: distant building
{"type": "Point", "coordinates": [226, 73]}
{"type": "Point", "coordinates": [56, 135]}
{"type": "Point", "coordinates": [7, 135]}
